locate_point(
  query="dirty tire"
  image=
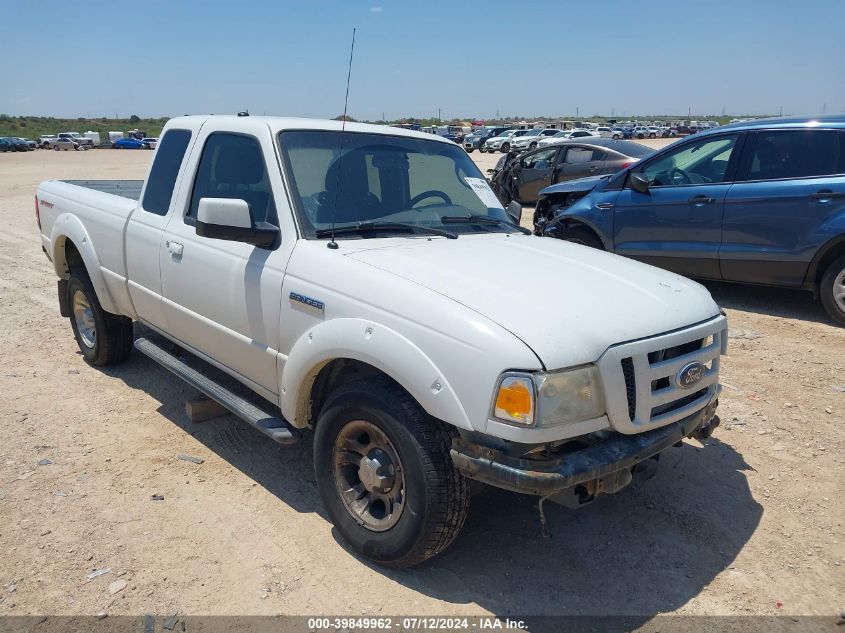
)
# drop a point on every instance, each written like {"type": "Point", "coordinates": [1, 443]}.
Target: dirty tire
{"type": "Point", "coordinates": [436, 497]}
{"type": "Point", "coordinates": [581, 235]}
{"type": "Point", "coordinates": [833, 283]}
{"type": "Point", "coordinates": [506, 147]}
{"type": "Point", "coordinates": [113, 340]}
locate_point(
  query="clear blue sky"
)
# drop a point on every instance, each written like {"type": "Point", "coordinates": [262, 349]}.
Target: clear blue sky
{"type": "Point", "coordinates": [165, 58]}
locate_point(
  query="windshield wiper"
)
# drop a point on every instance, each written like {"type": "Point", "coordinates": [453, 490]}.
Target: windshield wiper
{"type": "Point", "coordinates": [481, 219]}
{"type": "Point", "coordinates": [374, 227]}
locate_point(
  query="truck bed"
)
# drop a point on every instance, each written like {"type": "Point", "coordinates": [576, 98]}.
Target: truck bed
{"type": "Point", "coordinates": [124, 188]}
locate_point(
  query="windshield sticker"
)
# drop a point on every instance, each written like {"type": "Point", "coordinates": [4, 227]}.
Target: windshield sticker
{"type": "Point", "coordinates": [484, 192]}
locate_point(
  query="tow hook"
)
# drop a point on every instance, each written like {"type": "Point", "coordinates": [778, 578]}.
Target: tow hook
{"type": "Point", "coordinates": [706, 430]}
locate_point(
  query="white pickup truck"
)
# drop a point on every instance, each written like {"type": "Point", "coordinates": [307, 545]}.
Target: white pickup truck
{"type": "Point", "coordinates": [368, 285]}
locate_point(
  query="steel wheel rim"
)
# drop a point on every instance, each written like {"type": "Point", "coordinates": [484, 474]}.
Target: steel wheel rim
{"type": "Point", "coordinates": [368, 475]}
{"type": "Point", "coordinates": [839, 290]}
{"type": "Point", "coordinates": [84, 318]}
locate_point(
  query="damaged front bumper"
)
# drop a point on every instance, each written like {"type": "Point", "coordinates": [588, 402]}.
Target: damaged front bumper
{"type": "Point", "coordinates": [604, 467]}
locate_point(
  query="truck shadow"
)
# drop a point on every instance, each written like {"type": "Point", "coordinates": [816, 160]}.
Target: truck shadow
{"type": "Point", "coordinates": [651, 548]}
{"type": "Point", "coordinates": [787, 303]}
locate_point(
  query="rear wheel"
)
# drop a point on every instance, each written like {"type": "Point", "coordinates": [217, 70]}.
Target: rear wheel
{"type": "Point", "coordinates": [385, 476]}
{"type": "Point", "coordinates": [482, 150]}
{"type": "Point", "coordinates": [581, 235]}
{"type": "Point", "coordinates": [56, 147]}
{"type": "Point", "coordinates": [832, 290]}
{"type": "Point", "coordinates": [532, 145]}
{"type": "Point", "coordinates": [103, 338]}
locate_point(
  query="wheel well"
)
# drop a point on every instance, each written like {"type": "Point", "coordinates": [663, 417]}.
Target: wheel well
{"type": "Point", "coordinates": [572, 223]}
{"type": "Point", "coordinates": [327, 378]}
{"type": "Point", "coordinates": [72, 259]}
{"type": "Point", "coordinates": [834, 253]}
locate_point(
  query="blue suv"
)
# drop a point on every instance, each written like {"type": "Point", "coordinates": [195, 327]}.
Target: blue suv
{"type": "Point", "coordinates": [761, 202]}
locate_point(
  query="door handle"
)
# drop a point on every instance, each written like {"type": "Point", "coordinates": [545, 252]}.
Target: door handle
{"type": "Point", "coordinates": [826, 195]}
{"type": "Point", "coordinates": [701, 200]}
{"type": "Point", "coordinates": [175, 248]}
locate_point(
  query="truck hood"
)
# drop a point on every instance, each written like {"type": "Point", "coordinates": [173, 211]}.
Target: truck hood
{"type": "Point", "coordinates": [575, 186]}
{"type": "Point", "coordinates": [567, 302]}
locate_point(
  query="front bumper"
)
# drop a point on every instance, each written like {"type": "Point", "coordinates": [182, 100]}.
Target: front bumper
{"type": "Point", "coordinates": [600, 462]}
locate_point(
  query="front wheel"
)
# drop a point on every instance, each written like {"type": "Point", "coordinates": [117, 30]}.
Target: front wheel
{"type": "Point", "coordinates": [482, 150]}
{"type": "Point", "coordinates": [385, 476]}
{"type": "Point", "coordinates": [832, 290]}
{"type": "Point", "coordinates": [506, 147]}
{"type": "Point", "coordinates": [532, 145]}
{"type": "Point", "coordinates": [103, 338]}
{"type": "Point", "coordinates": [469, 150]}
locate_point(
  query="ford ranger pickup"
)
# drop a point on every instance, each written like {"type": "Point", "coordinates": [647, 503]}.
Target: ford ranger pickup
{"type": "Point", "coordinates": [365, 283]}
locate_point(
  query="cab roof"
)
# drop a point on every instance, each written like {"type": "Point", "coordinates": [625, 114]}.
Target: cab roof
{"type": "Point", "coordinates": [279, 124]}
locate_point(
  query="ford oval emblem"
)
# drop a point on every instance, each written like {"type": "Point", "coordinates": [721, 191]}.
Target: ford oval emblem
{"type": "Point", "coordinates": [690, 375]}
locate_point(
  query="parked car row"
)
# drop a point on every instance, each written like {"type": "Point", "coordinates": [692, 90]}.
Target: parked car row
{"type": "Point", "coordinates": [759, 202]}
{"type": "Point", "coordinates": [16, 144]}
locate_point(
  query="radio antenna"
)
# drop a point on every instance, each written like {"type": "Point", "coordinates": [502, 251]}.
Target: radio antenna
{"type": "Point", "coordinates": [332, 244]}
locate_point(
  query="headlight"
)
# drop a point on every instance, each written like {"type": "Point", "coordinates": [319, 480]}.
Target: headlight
{"type": "Point", "coordinates": [550, 398]}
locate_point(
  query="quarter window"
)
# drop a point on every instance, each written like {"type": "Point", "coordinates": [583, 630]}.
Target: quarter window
{"type": "Point", "coordinates": [232, 166]}
{"type": "Point", "coordinates": [165, 169]}
{"type": "Point", "coordinates": [797, 154]}
{"type": "Point", "coordinates": [575, 155]}
{"type": "Point", "coordinates": [701, 162]}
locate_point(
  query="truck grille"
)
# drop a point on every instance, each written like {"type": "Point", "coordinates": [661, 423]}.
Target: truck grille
{"type": "Point", "coordinates": [646, 372]}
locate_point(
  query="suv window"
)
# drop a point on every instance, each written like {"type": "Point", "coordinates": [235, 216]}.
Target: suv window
{"type": "Point", "coordinates": [165, 168]}
{"type": "Point", "coordinates": [797, 154]}
{"type": "Point", "coordinates": [232, 166]}
{"type": "Point", "coordinates": [700, 162]}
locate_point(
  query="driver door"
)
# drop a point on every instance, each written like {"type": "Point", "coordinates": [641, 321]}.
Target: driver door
{"type": "Point", "coordinates": [534, 173]}
{"type": "Point", "coordinates": [677, 223]}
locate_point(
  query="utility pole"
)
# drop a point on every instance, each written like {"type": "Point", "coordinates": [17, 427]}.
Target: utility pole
{"type": "Point", "coordinates": [824, 108]}
{"type": "Point", "coordinates": [689, 112]}
{"type": "Point", "coordinates": [577, 112]}
{"type": "Point", "coordinates": [439, 120]}
{"type": "Point", "coordinates": [781, 111]}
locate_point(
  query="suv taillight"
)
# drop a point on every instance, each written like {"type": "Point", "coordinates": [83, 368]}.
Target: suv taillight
{"type": "Point", "coordinates": [37, 214]}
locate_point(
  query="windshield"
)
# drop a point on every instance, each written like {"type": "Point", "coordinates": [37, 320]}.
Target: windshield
{"type": "Point", "coordinates": [381, 178]}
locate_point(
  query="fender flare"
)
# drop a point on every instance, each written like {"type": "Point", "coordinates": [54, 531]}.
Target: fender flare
{"type": "Point", "coordinates": [68, 227]}
{"type": "Point", "coordinates": [377, 345]}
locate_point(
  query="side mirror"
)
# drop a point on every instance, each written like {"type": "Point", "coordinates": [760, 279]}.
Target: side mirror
{"type": "Point", "coordinates": [514, 212]}
{"type": "Point", "coordinates": [230, 219]}
{"type": "Point", "coordinates": [638, 181]}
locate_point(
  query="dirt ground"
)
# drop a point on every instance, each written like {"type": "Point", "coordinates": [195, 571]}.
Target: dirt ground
{"type": "Point", "coordinates": [750, 522]}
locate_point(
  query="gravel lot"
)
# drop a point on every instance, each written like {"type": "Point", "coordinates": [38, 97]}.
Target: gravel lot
{"type": "Point", "coordinates": [751, 522]}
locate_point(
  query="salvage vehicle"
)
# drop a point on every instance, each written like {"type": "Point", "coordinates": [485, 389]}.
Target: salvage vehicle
{"type": "Point", "coordinates": [566, 160]}
{"type": "Point", "coordinates": [359, 280]}
{"type": "Point", "coordinates": [6, 145]}
{"type": "Point", "coordinates": [16, 144]}
{"type": "Point", "coordinates": [532, 137]}
{"type": "Point", "coordinates": [502, 142]}
{"type": "Point", "coordinates": [28, 143]}
{"type": "Point", "coordinates": [476, 139]}
{"type": "Point", "coordinates": [759, 202]}
{"type": "Point", "coordinates": [130, 143]}
{"type": "Point", "coordinates": [65, 144]}
{"type": "Point", "coordinates": [83, 141]}
{"type": "Point", "coordinates": [565, 135]}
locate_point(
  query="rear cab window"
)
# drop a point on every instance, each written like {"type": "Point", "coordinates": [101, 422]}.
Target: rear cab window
{"type": "Point", "coordinates": [162, 180]}
{"type": "Point", "coordinates": [233, 166]}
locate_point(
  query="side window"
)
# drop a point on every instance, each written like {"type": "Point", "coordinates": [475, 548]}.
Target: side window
{"type": "Point", "coordinates": [797, 154]}
{"type": "Point", "coordinates": [704, 161]}
{"type": "Point", "coordinates": [162, 179]}
{"type": "Point", "coordinates": [540, 160]}
{"type": "Point", "coordinates": [583, 155]}
{"type": "Point", "coordinates": [232, 166]}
